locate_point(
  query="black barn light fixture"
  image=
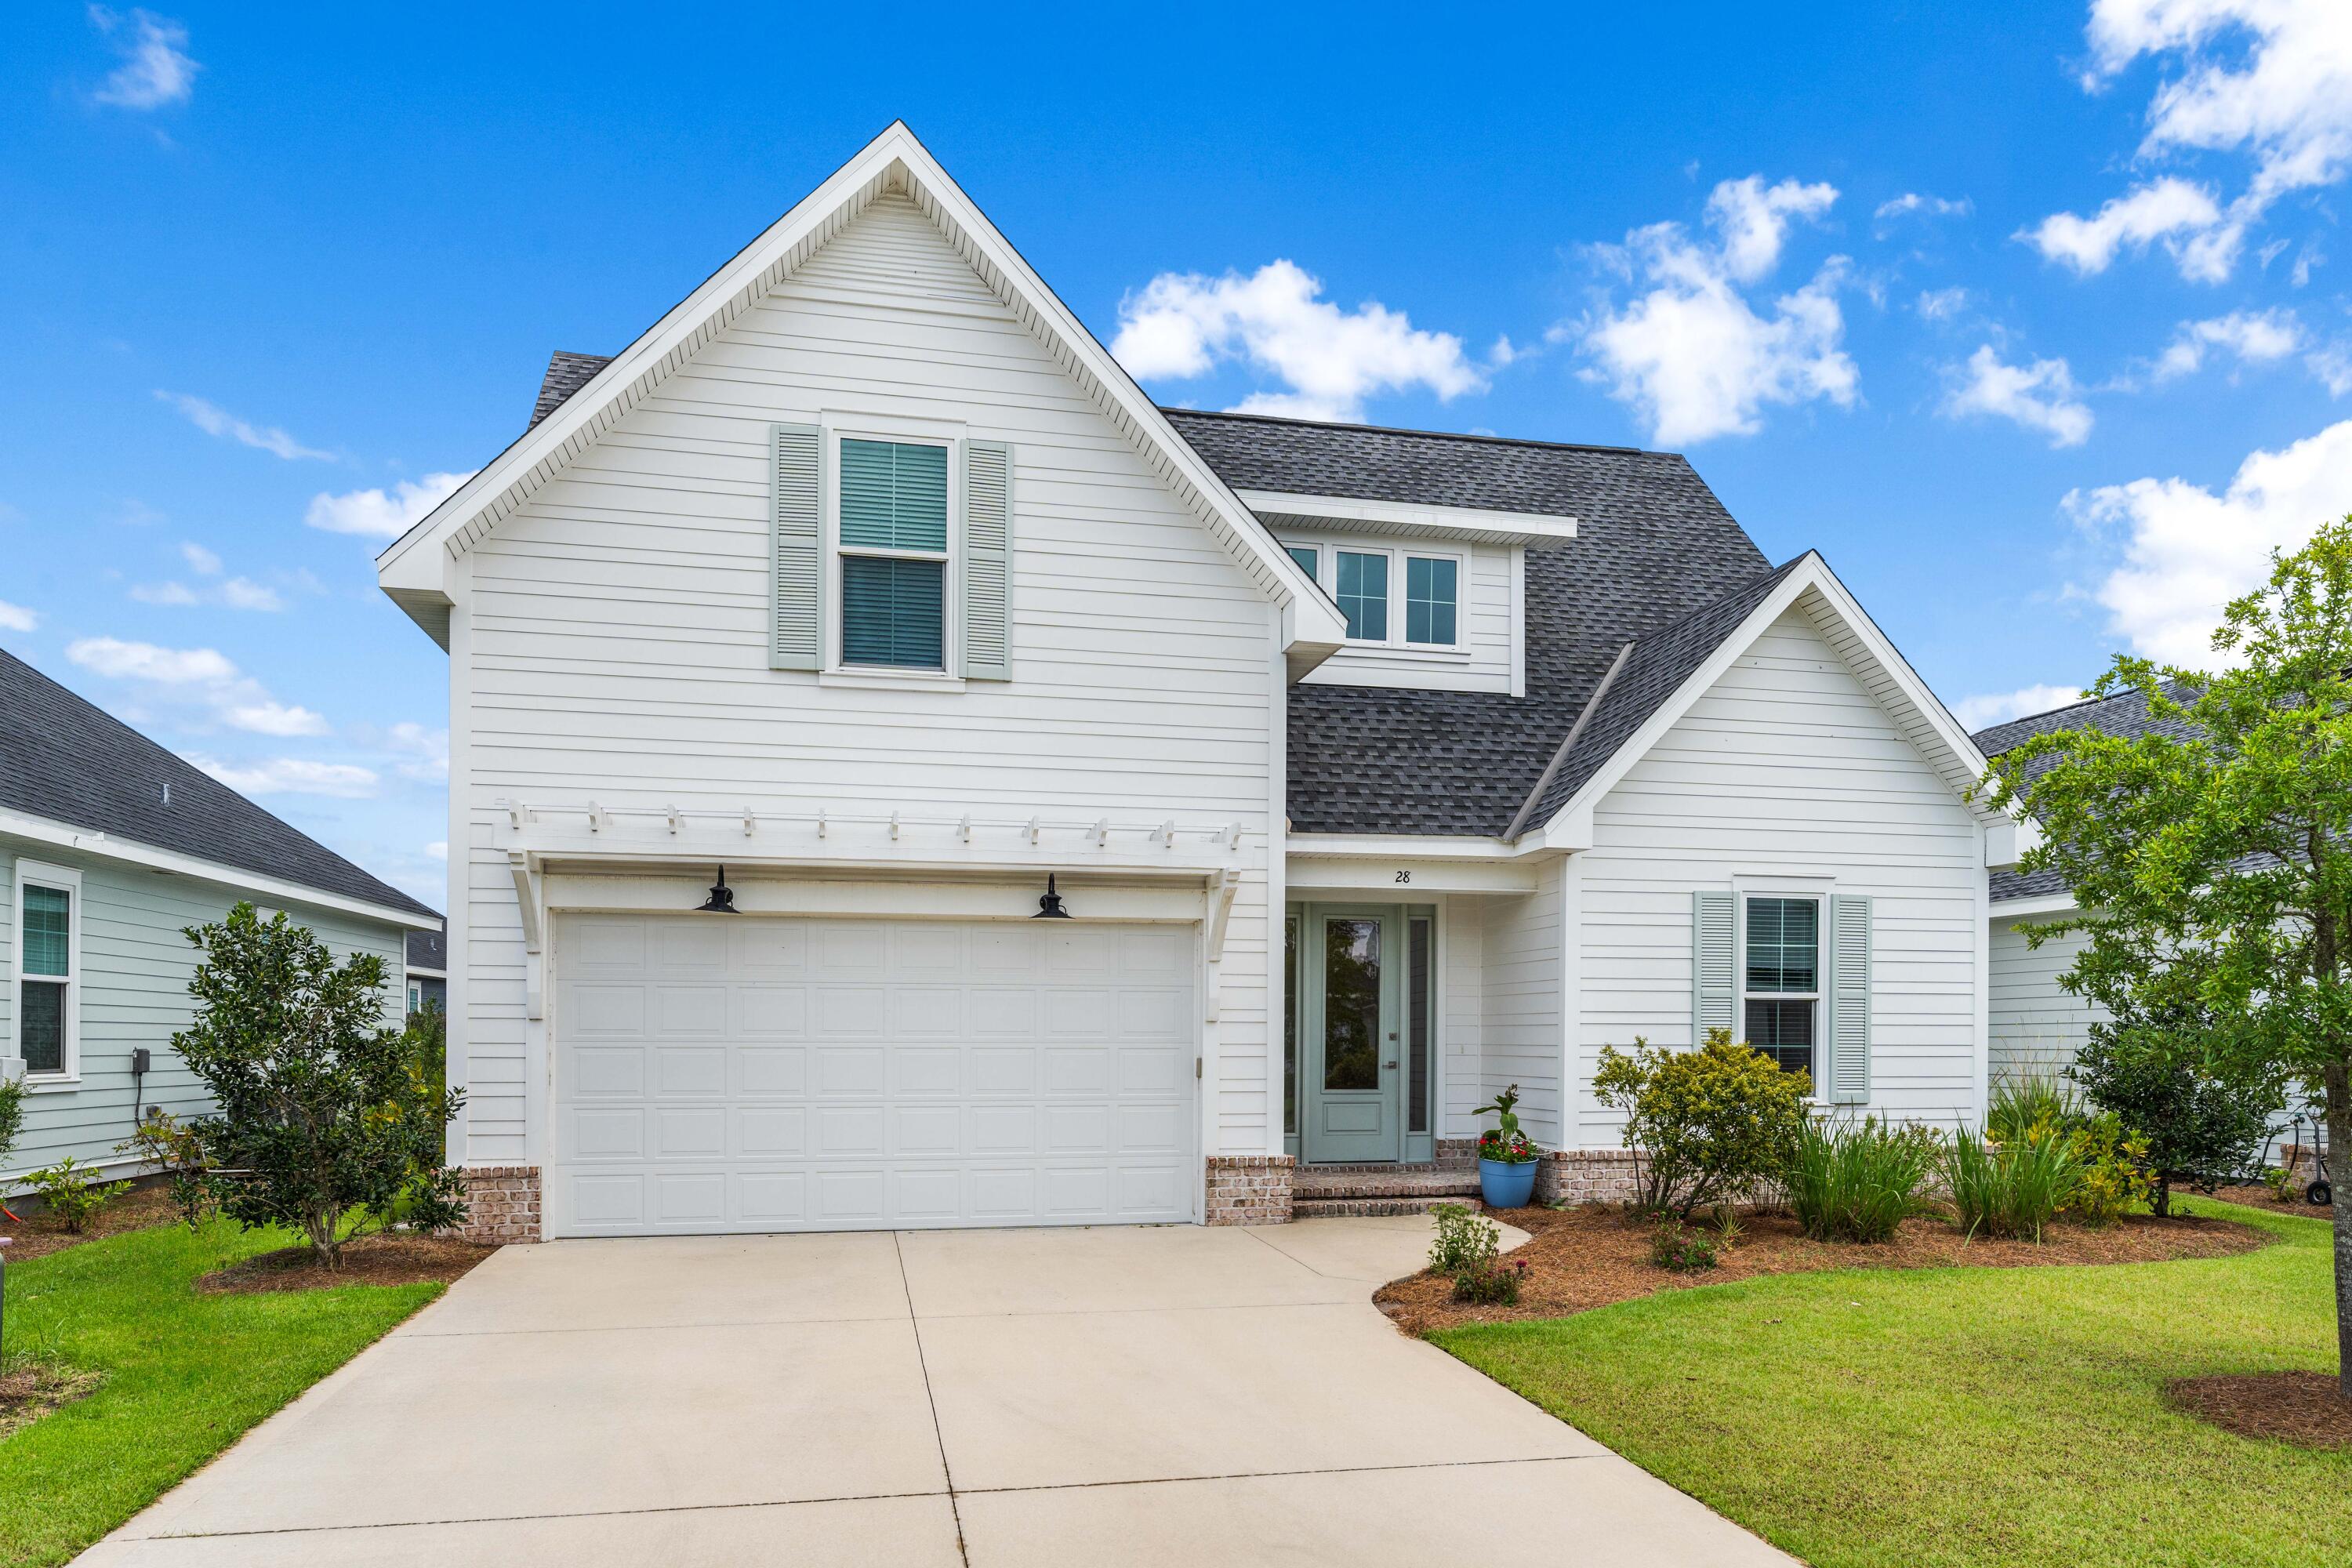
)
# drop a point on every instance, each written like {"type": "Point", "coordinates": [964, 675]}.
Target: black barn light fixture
{"type": "Point", "coordinates": [1049, 905]}
{"type": "Point", "coordinates": [722, 900]}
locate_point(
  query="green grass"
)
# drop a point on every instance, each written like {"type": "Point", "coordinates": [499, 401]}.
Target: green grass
{"type": "Point", "coordinates": [1922, 1418]}
{"type": "Point", "coordinates": [185, 1375]}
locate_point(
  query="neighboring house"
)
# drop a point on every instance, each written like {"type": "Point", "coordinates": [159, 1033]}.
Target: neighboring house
{"type": "Point", "coordinates": [109, 847]}
{"type": "Point", "coordinates": [428, 969]}
{"type": "Point", "coordinates": [2036, 1024]}
{"type": "Point", "coordinates": [1378, 770]}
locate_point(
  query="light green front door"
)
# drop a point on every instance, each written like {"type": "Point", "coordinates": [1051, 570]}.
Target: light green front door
{"type": "Point", "coordinates": [1350, 1068]}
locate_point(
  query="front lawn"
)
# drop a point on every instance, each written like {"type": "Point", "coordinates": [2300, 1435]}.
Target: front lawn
{"type": "Point", "coordinates": [1949, 1417]}
{"type": "Point", "coordinates": [185, 1373]}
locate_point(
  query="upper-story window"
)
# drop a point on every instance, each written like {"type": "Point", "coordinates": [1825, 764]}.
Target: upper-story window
{"type": "Point", "coordinates": [1391, 597]}
{"type": "Point", "coordinates": [894, 553]}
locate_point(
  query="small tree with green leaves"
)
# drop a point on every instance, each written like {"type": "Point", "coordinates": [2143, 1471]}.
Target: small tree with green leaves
{"type": "Point", "coordinates": [2210, 857]}
{"type": "Point", "coordinates": [2153, 1068]}
{"type": "Point", "coordinates": [324, 1122]}
{"type": "Point", "coordinates": [12, 1115]}
{"type": "Point", "coordinates": [1711, 1124]}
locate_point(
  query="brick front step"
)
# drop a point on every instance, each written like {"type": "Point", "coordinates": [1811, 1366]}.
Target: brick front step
{"type": "Point", "coordinates": [1333, 1182]}
{"type": "Point", "coordinates": [1362, 1208]}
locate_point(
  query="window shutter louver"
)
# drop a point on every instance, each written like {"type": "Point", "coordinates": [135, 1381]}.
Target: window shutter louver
{"type": "Point", "coordinates": [795, 552]}
{"type": "Point", "coordinates": [1849, 1031]}
{"type": "Point", "coordinates": [987, 561]}
{"type": "Point", "coordinates": [1713, 980]}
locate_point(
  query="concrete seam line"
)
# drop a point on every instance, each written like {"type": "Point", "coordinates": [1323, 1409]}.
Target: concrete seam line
{"type": "Point", "coordinates": [922, 1362]}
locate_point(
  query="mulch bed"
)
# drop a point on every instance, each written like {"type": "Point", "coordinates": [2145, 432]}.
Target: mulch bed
{"type": "Point", "coordinates": [31, 1391]}
{"type": "Point", "coordinates": [2304, 1408]}
{"type": "Point", "coordinates": [1598, 1255]}
{"type": "Point", "coordinates": [2258, 1195]}
{"type": "Point", "coordinates": [371, 1260]}
{"type": "Point", "coordinates": [145, 1205]}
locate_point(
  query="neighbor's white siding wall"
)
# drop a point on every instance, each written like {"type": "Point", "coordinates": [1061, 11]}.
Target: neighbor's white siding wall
{"type": "Point", "coordinates": [2037, 1024]}
{"type": "Point", "coordinates": [1522, 1027]}
{"type": "Point", "coordinates": [133, 968]}
{"type": "Point", "coordinates": [1487, 609]}
{"type": "Point", "coordinates": [617, 635]}
{"type": "Point", "coordinates": [1788, 768]}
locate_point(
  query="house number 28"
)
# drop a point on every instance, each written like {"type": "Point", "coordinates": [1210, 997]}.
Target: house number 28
{"type": "Point", "coordinates": [1404, 876]}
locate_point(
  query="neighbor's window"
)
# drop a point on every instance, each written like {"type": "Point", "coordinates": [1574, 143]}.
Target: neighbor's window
{"type": "Point", "coordinates": [1782, 985]}
{"type": "Point", "coordinates": [894, 553]}
{"type": "Point", "coordinates": [1431, 596]}
{"type": "Point", "coordinates": [1363, 595]}
{"type": "Point", "coordinates": [1309, 559]}
{"type": "Point", "coordinates": [44, 976]}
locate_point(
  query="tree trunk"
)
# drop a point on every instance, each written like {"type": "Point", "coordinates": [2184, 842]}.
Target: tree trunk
{"type": "Point", "coordinates": [2339, 1079]}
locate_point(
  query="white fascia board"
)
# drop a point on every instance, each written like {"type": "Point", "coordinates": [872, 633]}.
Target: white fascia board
{"type": "Point", "coordinates": [1401, 847]}
{"type": "Point", "coordinates": [126, 852]}
{"type": "Point", "coordinates": [415, 972]}
{"type": "Point", "coordinates": [2041, 904]}
{"type": "Point", "coordinates": [1476, 524]}
{"type": "Point", "coordinates": [539, 452]}
{"type": "Point", "coordinates": [1571, 827]}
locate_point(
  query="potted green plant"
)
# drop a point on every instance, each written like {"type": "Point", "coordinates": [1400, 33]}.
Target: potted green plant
{"type": "Point", "coordinates": [1506, 1159]}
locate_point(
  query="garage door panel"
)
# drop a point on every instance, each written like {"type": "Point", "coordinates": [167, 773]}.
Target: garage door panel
{"type": "Point", "coordinates": [763, 1074]}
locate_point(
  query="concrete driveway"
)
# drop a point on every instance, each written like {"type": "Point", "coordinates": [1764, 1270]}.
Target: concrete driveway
{"type": "Point", "coordinates": [1152, 1395]}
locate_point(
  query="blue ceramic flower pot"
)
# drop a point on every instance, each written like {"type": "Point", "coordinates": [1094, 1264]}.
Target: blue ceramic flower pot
{"type": "Point", "coordinates": [1505, 1185]}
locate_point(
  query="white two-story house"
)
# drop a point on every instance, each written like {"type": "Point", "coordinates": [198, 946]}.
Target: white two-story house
{"type": "Point", "coordinates": [901, 777]}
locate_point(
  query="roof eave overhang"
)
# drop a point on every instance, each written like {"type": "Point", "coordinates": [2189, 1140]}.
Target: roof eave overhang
{"type": "Point", "coordinates": [409, 572]}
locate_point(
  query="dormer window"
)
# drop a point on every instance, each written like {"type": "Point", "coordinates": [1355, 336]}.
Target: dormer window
{"type": "Point", "coordinates": [1400, 596]}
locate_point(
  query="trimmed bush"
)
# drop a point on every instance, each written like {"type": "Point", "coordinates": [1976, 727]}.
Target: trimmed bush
{"type": "Point", "coordinates": [1859, 1181]}
{"type": "Point", "coordinates": [1708, 1125]}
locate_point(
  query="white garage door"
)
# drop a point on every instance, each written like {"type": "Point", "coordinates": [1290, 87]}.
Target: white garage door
{"type": "Point", "coordinates": [783, 1074]}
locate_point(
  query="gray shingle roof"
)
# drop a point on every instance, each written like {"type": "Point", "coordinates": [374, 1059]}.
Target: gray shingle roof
{"type": "Point", "coordinates": [429, 949]}
{"type": "Point", "coordinates": [2125, 713]}
{"type": "Point", "coordinates": [65, 760]}
{"type": "Point", "coordinates": [1653, 548]}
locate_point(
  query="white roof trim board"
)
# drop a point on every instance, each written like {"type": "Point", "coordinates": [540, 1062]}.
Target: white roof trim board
{"type": "Point", "coordinates": [412, 573]}
{"type": "Point", "coordinates": [1813, 589]}
{"type": "Point", "coordinates": [1476, 525]}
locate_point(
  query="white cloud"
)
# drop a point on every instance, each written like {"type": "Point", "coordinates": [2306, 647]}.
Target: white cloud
{"type": "Point", "coordinates": [203, 677]}
{"type": "Point", "coordinates": [425, 753]}
{"type": "Point", "coordinates": [1692, 354]}
{"type": "Point", "coordinates": [291, 775]}
{"type": "Point", "coordinates": [236, 593]}
{"type": "Point", "coordinates": [2268, 79]}
{"type": "Point", "coordinates": [2333, 366]}
{"type": "Point", "coordinates": [171, 593]}
{"type": "Point", "coordinates": [213, 420]}
{"type": "Point", "coordinates": [2184, 217]}
{"type": "Point", "coordinates": [202, 561]}
{"type": "Point", "coordinates": [2188, 551]}
{"type": "Point", "coordinates": [156, 69]}
{"type": "Point", "coordinates": [381, 514]}
{"type": "Point", "coordinates": [1911, 202]}
{"type": "Point", "coordinates": [1942, 304]}
{"type": "Point", "coordinates": [2040, 397]}
{"type": "Point", "coordinates": [2253, 337]}
{"type": "Point", "coordinates": [1183, 325]}
{"type": "Point", "coordinates": [17, 618]}
{"type": "Point", "coordinates": [1999, 706]}
{"type": "Point", "coordinates": [244, 594]}
{"type": "Point", "coordinates": [437, 850]}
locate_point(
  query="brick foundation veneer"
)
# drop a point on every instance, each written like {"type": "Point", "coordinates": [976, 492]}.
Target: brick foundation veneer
{"type": "Point", "coordinates": [1586, 1177]}
{"type": "Point", "coordinates": [503, 1204]}
{"type": "Point", "coordinates": [1249, 1189]}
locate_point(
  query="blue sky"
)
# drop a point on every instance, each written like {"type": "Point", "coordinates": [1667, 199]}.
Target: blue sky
{"type": "Point", "coordinates": [2036, 321]}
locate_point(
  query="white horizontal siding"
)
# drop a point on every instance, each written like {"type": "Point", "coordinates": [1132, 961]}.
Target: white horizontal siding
{"type": "Point", "coordinates": [1521, 1023]}
{"type": "Point", "coordinates": [1483, 662]}
{"type": "Point", "coordinates": [617, 628]}
{"type": "Point", "coordinates": [1461, 1029]}
{"type": "Point", "coordinates": [1788, 768]}
{"type": "Point", "coordinates": [133, 968]}
{"type": "Point", "coordinates": [2037, 1024]}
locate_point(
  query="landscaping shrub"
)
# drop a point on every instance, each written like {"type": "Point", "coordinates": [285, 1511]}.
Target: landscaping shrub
{"type": "Point", "coordinates": [1859, 1181]}
{"type": "Point", "coordinates": [2011, 1188]}
{"type": "Point", "coordinates": [1493, 1284]}
{"type": "Point", "coordinates": [2147, 1067]}
{"type": "Point", "coordinates": [71, 1195]}
{"type": "Point", "coordinates": [2029, 1101]}
{"type": "Point", "coordinates": [171, 1146]}
{"type": "Point", "coordinates": [1706, 1125]}
{"type": "Point", "coordinates": [325, 1122]}
{"type": "Point", "coordinates": [1675, 1246]}
{"type": "Point", "coordinates": [1468, 1248]}
{"type": "Point", "coordinates": [12, 1115]}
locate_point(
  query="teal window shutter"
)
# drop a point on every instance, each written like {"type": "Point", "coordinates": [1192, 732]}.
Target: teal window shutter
{"type": "Point", "coordinates": [987, 561]}
{"type": "Point", "coordinates": [1713, 984]}
{"type": "Point", "coordinates": [1848, 1032]}
{"type": "Point", "coordinates": [795, 549]}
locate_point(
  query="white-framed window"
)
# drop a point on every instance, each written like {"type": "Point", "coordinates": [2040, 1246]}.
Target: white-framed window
{"type": "Point", "coordinates": [892, 541]}
{"type": "Point", "coordinates": [47, 962]}
{"type": "Point", "coordinates": [1398, 596]}
{"type": "Point", "coordinates": [416, 996]}
{"type": "Point", "coordinates": [1780, 964]}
